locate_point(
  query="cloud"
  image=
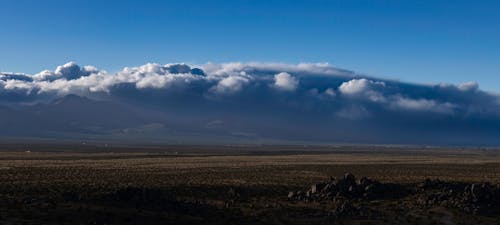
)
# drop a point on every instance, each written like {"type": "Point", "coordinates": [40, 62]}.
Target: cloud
{"type": "Point", "coordinates": [469, 86]}
{"type": "Point", "coordinates": [15, 84]}
{"type": "Point", "coordinates": [353, 112]}
{"type": "Point", "coordinates": [230, 85]}
{"type": "Point", "coordinates": [364, 88]}
{"type": "Point", "coordinates": [319, 80]}
{"type": "Point", "coordinates": [323, 69]}
{"type": "Point", "coordinates": [312, 98]}
{"type": "Point", "coordinates": [285, 81]}
{"type": "Point", "coordinates": [330, 92]}
{"type": "Point", "coordinates": [15, 76]}
{"type": "Point", "coordinates": [68, 71]}
{"type": "Point", "coordinates": [423, 105]}
{"type": "Point", "coordinates": [358, 86]}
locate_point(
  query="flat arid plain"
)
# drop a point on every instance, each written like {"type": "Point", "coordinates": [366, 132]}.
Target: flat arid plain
{"type": "Point", "coordinates": [249, 185]}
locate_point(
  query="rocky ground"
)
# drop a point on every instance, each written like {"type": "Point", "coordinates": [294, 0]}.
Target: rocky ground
{"type": "Point", "coordinates": [391, 187]}
{"type": "Point", "coordinates": [351, 196]}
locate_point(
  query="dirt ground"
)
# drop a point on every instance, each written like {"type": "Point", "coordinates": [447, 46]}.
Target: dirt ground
{"type": "Point", "coordinates": [182, 185]}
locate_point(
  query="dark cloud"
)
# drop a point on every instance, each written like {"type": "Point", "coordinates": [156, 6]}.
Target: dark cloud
{"type": "Point", "coordinates": [273, 102]}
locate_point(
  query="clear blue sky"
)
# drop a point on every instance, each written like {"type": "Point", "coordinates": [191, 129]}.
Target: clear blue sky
{"type": "Point", "coordinates": [419, 41]}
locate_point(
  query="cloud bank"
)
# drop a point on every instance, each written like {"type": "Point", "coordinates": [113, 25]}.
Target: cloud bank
{"type": "Point", "coordinates": [301, 102]}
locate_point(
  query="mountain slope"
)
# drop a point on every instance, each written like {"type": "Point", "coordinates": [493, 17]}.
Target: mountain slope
{"type": "Point", "coordinates": [71, 115]}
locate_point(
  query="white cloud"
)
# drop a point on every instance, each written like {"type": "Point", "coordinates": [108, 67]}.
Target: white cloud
{"type": "Point", "coordinates": [363, 88]}
{"type": "Point", "coordinates": [469, 86]}
{"type": "Point", "coordinates": [324, 99]}
{"type": "Point", "coordinates": [165, 81]}
{"type": "Point", "coordinates": [316, 80]}
{"type": "Point", "coordinates": [230, 85]}
{"type": "Point", "coordinates": [228, 78]}
{"type": "Point", "coordinates": [423, 105]}
{"type": "Point", "coordinates": [17, 85]}
{"type": "Point", "coordinates": [45, 75]}
{"type": "Point", "coordinates": [285, 81]}
{"type": "Point", "coordinates": [357, 86]}
{"type": "Point", "coordinates": [152, 81]}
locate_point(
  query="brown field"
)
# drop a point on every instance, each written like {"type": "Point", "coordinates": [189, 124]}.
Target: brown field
{"type": "Point", "coordinates": [182, 185]}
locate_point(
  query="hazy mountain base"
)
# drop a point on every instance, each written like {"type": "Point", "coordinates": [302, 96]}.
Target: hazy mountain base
{"type": "Point", "coordinates": [78, 120]}
{"type": "Point", "coordinates": [170, 188]}
{"type": "Point", "coordinates": [181, 120]}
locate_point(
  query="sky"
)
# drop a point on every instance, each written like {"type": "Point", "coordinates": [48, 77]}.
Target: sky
{"type": "Point", "coordinates": [249, 72]}
{"type": "Point", "coordinates": [426, 42]}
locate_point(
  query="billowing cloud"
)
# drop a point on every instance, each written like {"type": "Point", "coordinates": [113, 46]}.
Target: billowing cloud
{"type": "Point", "coordinates": [365, 88]}
{"type": "Point", "coordinates": [285, 101]}
{"type": "Point", "coordinates": [357, 86]}
{"type": "Point", "coordinates": [68, 71]}
{"type": "Point", "coordinates": [231, 84]}
{"type": "Point", "coordinates": [285, 81]}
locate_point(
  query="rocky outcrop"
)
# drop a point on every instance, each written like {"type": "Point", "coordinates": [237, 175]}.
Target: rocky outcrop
{"type": "Point", "coordinates": [473, 198]}
{"type": "Point", "coordinates": [350, 188]}
{"type": "Point", "coordinates": [477, 198]}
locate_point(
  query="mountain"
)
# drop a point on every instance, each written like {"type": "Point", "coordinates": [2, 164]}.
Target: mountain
{"type": "Point", "coordinates": [70, 116]}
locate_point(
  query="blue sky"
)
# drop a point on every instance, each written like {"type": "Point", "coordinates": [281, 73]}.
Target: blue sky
{"type": "Point", "coordinates": [416, 41]}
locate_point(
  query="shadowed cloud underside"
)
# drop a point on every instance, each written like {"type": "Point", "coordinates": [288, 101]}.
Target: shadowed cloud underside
{"type": "Point", "coordinates": [243, 103]}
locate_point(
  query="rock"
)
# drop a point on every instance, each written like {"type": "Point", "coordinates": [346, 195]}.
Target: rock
{"type": "Point", "coordinates": [349, 177]}
{"type": "Point", "coordinates": [314, 188]}
{"type": "Point", "coordinates": [348, 187]}
{"type": "Point", "coordinates": [232, 194]}
{"type": "Point", "coordinates": [317, 187]}
{"type": "Point", "coordinates": [344, 209]}
{"type": "Point", "coordinates": [369, 188]}
{"type": "Point", "coordinates": [476, 198]}
{"type": "Point", "coordinates": [364, 181]}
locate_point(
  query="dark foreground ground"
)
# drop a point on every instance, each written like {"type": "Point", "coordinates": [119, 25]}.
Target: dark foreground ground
{"type": "Point", "coordinates": [261, 185]}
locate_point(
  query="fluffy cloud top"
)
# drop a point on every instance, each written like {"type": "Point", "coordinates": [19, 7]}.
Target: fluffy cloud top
{"type": "Point", "coordinates": [327, 100]}
{"type": "Point", "coordinates": [357, 86]}
{"type": "Point", "coordinates": [233, 78]}
{"type": "Point", "coordinates": [285, 81]}
{"type": "Point", "coordinates": [68, 71]}
{"type": "Point", "coordinates": [230, 84]}
{"type": "Point", "coordinates": [371, 90]}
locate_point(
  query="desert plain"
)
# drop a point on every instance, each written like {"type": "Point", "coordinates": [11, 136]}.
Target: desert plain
{"type": "Point", "coordinates": [249, 185]}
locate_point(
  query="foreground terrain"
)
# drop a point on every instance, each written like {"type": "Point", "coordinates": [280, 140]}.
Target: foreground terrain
{"type": "Point", "coordinates": [249, 185]}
